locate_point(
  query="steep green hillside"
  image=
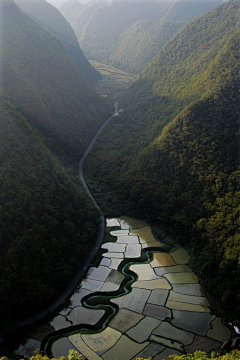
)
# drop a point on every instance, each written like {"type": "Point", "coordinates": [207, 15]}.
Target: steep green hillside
{"type": "Point", "coordinates": [131, 43]}
{"type": "Point", "coordinates": [185, 176]}
{"type": "Point", "coordinates": [51, 19]}
{"type": "Point", "coordinates": [180, 70]}
{"type": "Point", "coordinates": [142, 41]}
{"type": "Point", "coordinates": [185, 10]}
{"type": "Point", "coordinates": [71, 9]}
{"type": "Point", "coordinates": [79, 15]}
{"type": "Point", "coordinates": [198, 355]}
{"type": "Point", "coordinates": [99, 37]}
{"type": "Point", "coordinates": [47, 222]}
{"type": "Point", "coordinates": [55, 100]}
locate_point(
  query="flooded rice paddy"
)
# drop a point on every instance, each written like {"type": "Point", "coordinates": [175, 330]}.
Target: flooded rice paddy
{"type": "Point", "coordinates": [163, 312]}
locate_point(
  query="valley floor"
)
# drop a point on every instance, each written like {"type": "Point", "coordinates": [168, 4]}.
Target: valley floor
{"type": "Point", "coordinates": [165, 312]}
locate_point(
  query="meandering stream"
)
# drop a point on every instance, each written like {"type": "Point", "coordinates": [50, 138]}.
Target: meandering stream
{"type": "Point", "coordinates": [141, 301]}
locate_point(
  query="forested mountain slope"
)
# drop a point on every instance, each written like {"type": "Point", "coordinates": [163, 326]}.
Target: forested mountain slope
{"type": "Point", "coordinates": [124, 34]}
{"type": "Point", "coordinates": [99, 37]}
{"type": "Point", "coordinates": [50, 18]}
{"type": "Point", "coordinates": [78, 15]}
{"type": "Point", "coordinates": [71, 9]}
{"type": "Point", "coordinates": [46, 109]}
{"type": "Point", "coordinates": [56, 100]}
{"type": "Point", "coordinates": [185, 10]}
{"type": "Point", "coordinates": [47, 222]}
{"type": "Point", "coordinates": [142, 41]}
{"type": "Point", "coordinates": [177, 149]}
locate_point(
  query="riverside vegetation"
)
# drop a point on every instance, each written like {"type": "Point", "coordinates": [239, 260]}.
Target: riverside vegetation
{"type": "Point", "coordinates": [172, 157]}
{"type": "Point", "coordinates": [198, 355]}
{"type": "Point", "coordinates": [48, 223]}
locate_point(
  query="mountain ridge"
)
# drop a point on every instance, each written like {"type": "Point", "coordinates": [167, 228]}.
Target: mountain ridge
{"type": "Point", "coordinates": [132, 46]}
{"type": "Point", "coordinates": [177, 150]}
{"type": "Point", "coordinates": [48, 115]}
{"type": "Point", "coordinates": [51, 19]}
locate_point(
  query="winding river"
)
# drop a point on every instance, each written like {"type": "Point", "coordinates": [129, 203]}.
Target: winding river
{"type": "Point", "coordinates": [81, 271]}
{"type": "Point", "coordinates": [141, 301]}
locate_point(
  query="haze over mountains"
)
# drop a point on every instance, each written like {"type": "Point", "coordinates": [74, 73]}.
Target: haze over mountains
{"type": "Point", "coordinates": [51, 19]}
{"type": "Point", "coordinates": [173, 154]}
{"type": "Point", "coordinates": [128, 34]}
{"type": "Point", "coordinates": [48, 116]}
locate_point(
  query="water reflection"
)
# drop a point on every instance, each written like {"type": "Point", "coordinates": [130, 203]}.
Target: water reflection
{"type": "Point", "coordinates": [164, 305]}
{"type": "Point", "coordinates": [99, 274]}
{"type": "Point", "coordinates": [103, 341]}
{"type": "Point", "coordinates": [124, 349]}
{"type": "Point", "coordinates": [133, 251]}
{"type": "Point", "coordinates": [142, 331]}
{"type": "Point", "coordinates": [128, 239]}
{"type": "Point", "coordinates": [180, 256]}
{"type": "Point", "coordinates": [181, 278]}
{"type": "Point", "coordinates": [144, 271]}
{"type": "Point", "coordinates": [188, 289]}
{"type": "Point", "coordinates": [195, 322]}
{"type": "Point", "coordinates": [145, 236]}
{"type": "Point", "coordinates": [114, 247]}
{"type": "Point", "coordinates": [130, 223]}
{"type": "Point", "coordinates": [162, 259]}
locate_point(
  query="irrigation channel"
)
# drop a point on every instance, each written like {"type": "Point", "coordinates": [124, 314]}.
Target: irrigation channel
{"type": "Point", "coordinates": [79, 274]}
{"type": "Point", "coordinates": [4, 333]}
{"type": "Point", "coordinates": [100, 301]}
{"type": "Point", "coordinates": [141, 301]}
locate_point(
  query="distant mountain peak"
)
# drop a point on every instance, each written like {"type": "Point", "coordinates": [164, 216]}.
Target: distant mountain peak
{"type": "Point", "coordinates": [52, 20]}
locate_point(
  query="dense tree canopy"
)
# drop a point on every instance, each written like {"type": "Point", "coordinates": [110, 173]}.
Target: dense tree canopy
{"type": "Point", "coordinates": [48, 224]}
{"type": "Point", "coordinates": [51, 19]}
{"type": "Point", "coordinates": [56, 100]}
{"type": "Point", "coordinates": [128, 34]}
{"type": "Point", "coordinates": [198, 355]}
{"type": "Point", "coordinates": [177, 149]}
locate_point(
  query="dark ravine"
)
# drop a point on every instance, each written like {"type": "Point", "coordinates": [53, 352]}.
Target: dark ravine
{"type": "Point", "coordinates": [87, 152]}
{"type": "Point", "coordinates": [84, 265]}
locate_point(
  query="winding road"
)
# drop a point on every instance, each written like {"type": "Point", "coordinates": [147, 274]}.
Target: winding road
{"type": "Point", "coordinates": [89, 149]}
{"type": "Point", "coordinates": [81, 271]}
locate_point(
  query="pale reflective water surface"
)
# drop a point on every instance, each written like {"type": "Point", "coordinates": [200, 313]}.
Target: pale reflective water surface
{"type": "Point", "coordinates": [165, 306]}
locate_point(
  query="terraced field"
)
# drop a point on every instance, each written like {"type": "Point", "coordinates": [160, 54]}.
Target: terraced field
{"type": "Point", "coordinates": [158, 311]}
{"type": "Point", "coordinates": [114, 81]}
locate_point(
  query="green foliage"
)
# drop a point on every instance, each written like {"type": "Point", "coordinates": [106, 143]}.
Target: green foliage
{"type": "Point", "coordinates": [51, 19]}
{"type": "Point", "coordinates": [201, 355]}
{"type": "Point", "coordinates": [72, 355]}
{"type": "Point", "coordinates": [78, 15]}
{"type": "Point", "coordinates": [177, 143]}
{"type": "Point", "coordinates": [198, 355]}
{"type": "Point", "coordinates": [127, 35]}
{"type": "Point", "coordinates": [55, 100]}
{"type": "Point", "coordinates": [100, 36]}
{"type": "Point", "coordinates": [183, 68]}
{"type": "Point", "coordinates": [185, 10]}
{"type": "Point", "coordinates": [47, 222]}
{"type": "Point", "coordinates": [141, 42]}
